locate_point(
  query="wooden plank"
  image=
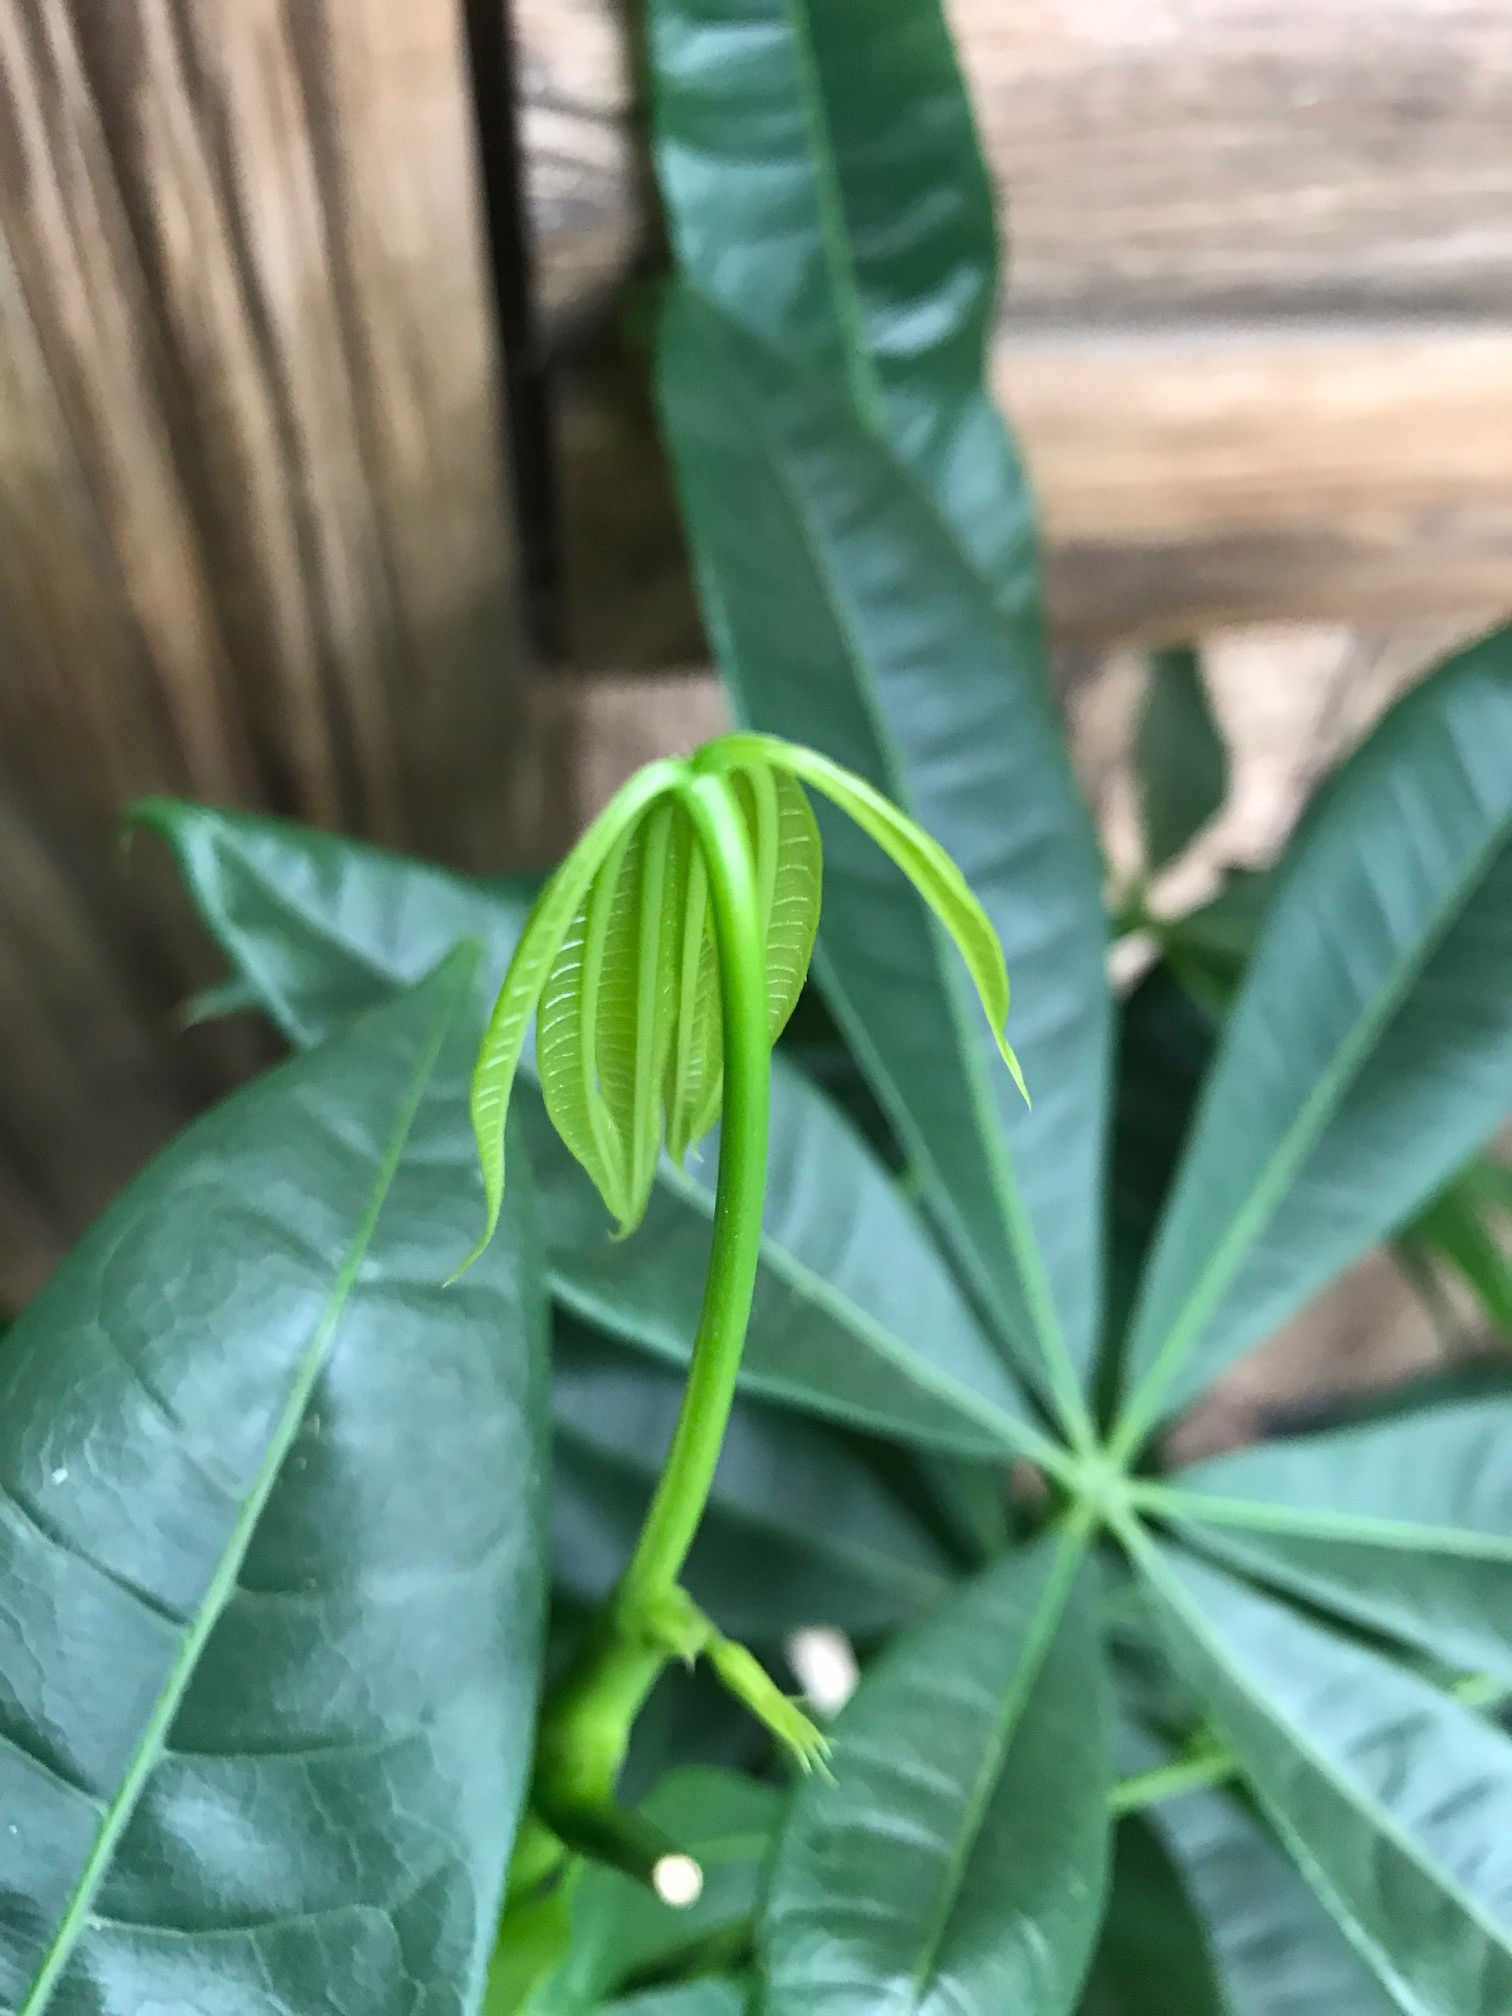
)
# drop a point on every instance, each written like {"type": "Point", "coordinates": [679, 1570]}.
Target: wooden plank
{"type": "Point", "coordinates": [1158, 160]}
{"type": "Point", "coordinates": [253, 539]}
{"type": "Point", "coordinates": [1312, 473]}
{"type": "Point", "coordinates": [1186, 480]}
{"type": "Point", "coordinates": [1183, 159]}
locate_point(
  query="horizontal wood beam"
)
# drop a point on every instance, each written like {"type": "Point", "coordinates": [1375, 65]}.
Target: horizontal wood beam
{"type": "Point", "coordinates": [1194, 479]}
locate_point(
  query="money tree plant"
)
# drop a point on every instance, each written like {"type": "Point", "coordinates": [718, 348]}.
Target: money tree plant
{"type": "Point", "coordinates": [345, 1607]}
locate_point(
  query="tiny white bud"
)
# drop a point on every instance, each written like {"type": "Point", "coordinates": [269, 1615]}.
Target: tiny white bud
{"type": "Point", "coordinates": [678, 1881]}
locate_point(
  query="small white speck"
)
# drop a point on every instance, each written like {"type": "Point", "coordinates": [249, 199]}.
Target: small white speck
{"type": "Point", "coordinates": [678, 1881]}
{"type": "Point", "coordinates": [825, 1662]}
{"type": "Point", "coordinates": [60, 1475]}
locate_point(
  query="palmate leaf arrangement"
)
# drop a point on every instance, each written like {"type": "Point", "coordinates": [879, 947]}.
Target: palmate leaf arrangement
{"type": "Point", "coordinates": [276, 1523]}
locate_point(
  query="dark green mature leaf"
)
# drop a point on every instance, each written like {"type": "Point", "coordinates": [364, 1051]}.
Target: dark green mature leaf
{"type": "Point", "coordinates": [855, 1316]}
{"type": "Point", "coordinates": [1402, 1525]}
{"type": "Point", "coordinates": [1395, 1800]}
{"type": "Point", "coordinates": [956, 1861]}
{"type": "Point", "coordinates": [1165, 1041]}
{"type": "Point", "coordinates": [265, 1691]}
{"type": "Point", "coordinates": [799, 1530]}
{"type": "Point", "coordinates": [866, 248]}
{"type": "Point", "coordinates": [891, 657]}
{"type": "Point", "coordinates": [1371, 1048]}
{"type": "Point", "coordinates": [1275, 1949]}
{"type": "Point", "coordinates": [1182, 758]}
{"type": "Point", "coordinates": [622, 1933]}
{"type": "Point", "coordinates": [1152, 1958]}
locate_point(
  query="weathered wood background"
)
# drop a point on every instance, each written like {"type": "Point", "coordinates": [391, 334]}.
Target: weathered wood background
{"type": "Point", "coordinates": [258, 534]}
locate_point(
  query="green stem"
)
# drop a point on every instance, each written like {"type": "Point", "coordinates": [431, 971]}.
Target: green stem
{"type": "Point", "coordinates": [585, 1729]}
{"type": "Point", "coordinates": [683, 1491]}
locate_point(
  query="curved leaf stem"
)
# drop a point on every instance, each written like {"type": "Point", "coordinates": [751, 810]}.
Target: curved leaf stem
{"type": "Point", "coordinates": [585, 1729]}
{"type": "Point", "coordinates": [688, 1475]}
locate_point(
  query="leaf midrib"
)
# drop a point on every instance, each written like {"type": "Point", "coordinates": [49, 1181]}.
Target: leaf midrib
{"type": "Point", "coordinates": [1351, 1528]}
{"type": "Point", "coordinates": [1049, 1612]}
{"type": "Point", "coordinates": [1058, 1367]}
{"type": "Point", "coordinates": [1293, 1148]}
{"type": "Point", "coordinates": [149, 1747]}
{"type": "Point", "coordinates": [1372, 1813]}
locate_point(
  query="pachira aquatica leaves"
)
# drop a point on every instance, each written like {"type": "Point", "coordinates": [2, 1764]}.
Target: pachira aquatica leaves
{"type": "Point", "coordinates": [622, 958]}
{"type": "Point", "coordinates": [265, 1692]}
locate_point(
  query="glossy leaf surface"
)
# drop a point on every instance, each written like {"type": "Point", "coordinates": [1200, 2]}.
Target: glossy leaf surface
{"type": "Point", "coordinates": [956, 1862]}
{"type": "Point", "coordinates": [1182, 765]}
{"type": "Point", "coordinates": [265, 1692]}
{"type": "Point", "coordinates": [1403, 1526]}
{"type": "Point", "coordinates": [1371, 1047]}
{"type": "Point", "coordinates": [856, 1317]}
{"type": "Point", "coordinates": [1274, 1947]}
{"type": "Point", "coordinates": [1394, 1799]}
{"type": "Point", "coordinates": [799, 1530]}
{"type": "Point", "coordinates": [892, 658]}
{"type": "Point", "coordinates": [866, 247]}
{"type": "Point", "coordinates": [1152, 1955]}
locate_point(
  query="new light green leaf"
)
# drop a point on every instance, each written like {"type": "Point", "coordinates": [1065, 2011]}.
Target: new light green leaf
{"type": "Point", "coordinates": [954, 1865]}
{"type": "Point", "coordinates": [267, 1691]}
{"type": "Point", "coordinates": [540, 944]}
{"type": "Point", "coordinates": [789, 871]}
{"type": "Point", "coordinates": [1395, 1800]}
{"type": "Point", "coordinates": [926, 864]}
{"type": "Point", "coordinates": [1403, 1525]}
{"type": "Point", "coordinates": [1370, 1050]}
{"type": "Point", "coordinates": [856, 1316]}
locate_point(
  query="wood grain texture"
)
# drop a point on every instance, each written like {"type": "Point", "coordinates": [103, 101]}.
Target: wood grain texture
{"type": "Point", "coordinates": [253, 543]}
{"type": "Point", "coordinates": [1158, 160]}
{"type": "Point", "coordinates": [1172, 160]}
{"type": "Point", "coordinates": [1312, 473]}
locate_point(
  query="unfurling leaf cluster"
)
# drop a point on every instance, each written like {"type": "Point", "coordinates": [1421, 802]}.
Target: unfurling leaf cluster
{"type": "Point", "coordinates": [619, 960]}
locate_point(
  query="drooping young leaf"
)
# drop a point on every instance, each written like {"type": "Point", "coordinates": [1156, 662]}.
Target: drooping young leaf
{"type": "Point", "coordinates": [785, 847]}
{"type": "Point", "coordinates": [926, 864]}
{"type": "Point", "coordinates": [1403, 1525]}
{"type": "Point", "coordinates": [1371, 1048]}
{"type": "Point", "coordinates": [1152, 1955]}
{"type": "Point", "coordinates": [622, 1933]}
{"type": "Point", "coordinates": [1182, 764]}
{"type": "Point", "coordinates": [892, 658]}
{"type": "Point", "coordinates": [1395, 1800]}
{"type": "Point", "coordinates": [799, 1530]}
{"type": "Point", "coordinates": [539, 946]}
{"type": "Point", "coordinates": [866, 249]}
{"type": "Point", "coordinates": [955, 1861]}
{"type": "Point", "coordinates": [856, 1317]}
{"type": "Point", "coordinates": [265, 1691]}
